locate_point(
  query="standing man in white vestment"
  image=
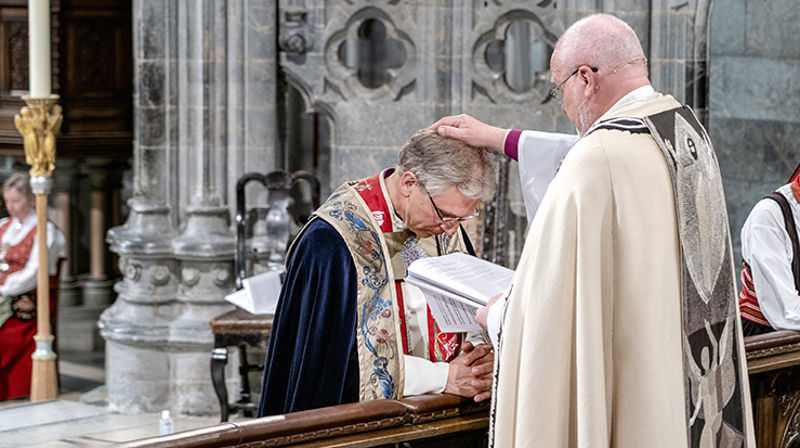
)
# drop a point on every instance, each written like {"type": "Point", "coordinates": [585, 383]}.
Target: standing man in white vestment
{"type": "Point", "coordinates": [611, 335]}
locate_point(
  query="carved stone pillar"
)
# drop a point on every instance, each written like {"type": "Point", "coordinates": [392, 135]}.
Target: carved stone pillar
{"type": "Point", "coordinates": [97, 285]}
{"type": "Point", "coordinates": [205, 113]}
{"type": "Point", "coordinates": [137, 327]}
{"type": "Point", "coordinates": [204, 250]}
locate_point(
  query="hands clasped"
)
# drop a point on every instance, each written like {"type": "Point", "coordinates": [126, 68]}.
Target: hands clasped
{"type": "Point", "coordinates": [470, 374]}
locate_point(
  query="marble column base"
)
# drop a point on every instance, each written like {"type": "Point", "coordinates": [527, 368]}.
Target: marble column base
{"type": "Point", "coordinates": [149, 378]}
{"type": "Point", "coordinates": [70, 293]}
{"type": "Point", "coordinates": [97, 292]}
{"type": "Point", "coordinates": [77, 330]}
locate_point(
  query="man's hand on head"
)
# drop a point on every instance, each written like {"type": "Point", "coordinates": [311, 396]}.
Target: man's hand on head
{"type": "Point", "coordinates": [470, 374]}
{"type": "Point", "coordinates": [470, 130]}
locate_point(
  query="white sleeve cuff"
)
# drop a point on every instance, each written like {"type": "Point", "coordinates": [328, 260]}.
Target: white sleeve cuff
{"type": "Point", "coordinates": [424, 377]}
{"type": "Point", "coordinates": [478, 337]}
{"type": "Point", "coordinates": [494, 319]}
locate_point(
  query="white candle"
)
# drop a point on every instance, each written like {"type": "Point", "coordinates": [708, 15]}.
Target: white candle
{"type": "Point", "coordinates": [39, 48]}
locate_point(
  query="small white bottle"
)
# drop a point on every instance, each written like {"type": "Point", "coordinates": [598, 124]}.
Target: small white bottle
{"type": "Point", "coordinates": [165, 424]}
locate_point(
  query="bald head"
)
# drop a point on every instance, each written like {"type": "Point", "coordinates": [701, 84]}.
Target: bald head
{"type": "Point", "coordinates": [597, 61]}
{"type": "Point", "coordinates": [599, 40]}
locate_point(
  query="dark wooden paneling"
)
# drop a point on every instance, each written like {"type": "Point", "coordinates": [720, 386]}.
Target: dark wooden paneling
{"type": "Point", "coordinates": [92, 73]}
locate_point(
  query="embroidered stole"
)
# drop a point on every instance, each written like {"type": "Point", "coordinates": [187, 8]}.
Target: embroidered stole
{"type": "Point", "coordinates": [714, 376]}
{"type": "Point", "coordinates": [359, 213]}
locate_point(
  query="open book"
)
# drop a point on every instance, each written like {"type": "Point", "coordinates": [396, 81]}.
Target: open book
{"type": "Point", "coordinates": [260, 293]}
{"type": "Point", "coordinates": [455, 285]}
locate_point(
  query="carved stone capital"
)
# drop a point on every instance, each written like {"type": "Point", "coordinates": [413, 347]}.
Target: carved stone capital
{"type": "Point", "coordinates": [296, 36]}
{"type": "Point", "coordinates": [159, 275]}
{"type": "Point", "coordinates": [190, 276]}
{"type": "Point", "coordinates": [148, 232]}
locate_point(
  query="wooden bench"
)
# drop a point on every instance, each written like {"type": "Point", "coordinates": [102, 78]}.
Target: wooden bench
{"type": "Point", "coordinates": [422, 421]}
{"type": "Point", "coordinates": [449, 421]}
{"type": "Point", "coordinates": [773, 364]}
{"type": "Point", "coordinates": [237, 328]}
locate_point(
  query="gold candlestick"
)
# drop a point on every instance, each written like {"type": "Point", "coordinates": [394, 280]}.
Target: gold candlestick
{"type": "Point", "coordinates": [38, 122]}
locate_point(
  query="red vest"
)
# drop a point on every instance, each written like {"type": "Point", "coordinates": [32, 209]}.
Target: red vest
{"type": "Point", "coordinates": [17, 256]}
{"type": "Point", "coordinates": [748, 301]}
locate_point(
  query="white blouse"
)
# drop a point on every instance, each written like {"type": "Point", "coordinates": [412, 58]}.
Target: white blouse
{"type": "Point", "coordinates": [25, 280]}
{"type": "Point", "coordinates": [767, 249]}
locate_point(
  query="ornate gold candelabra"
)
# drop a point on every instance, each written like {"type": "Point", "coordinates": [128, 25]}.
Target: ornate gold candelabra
{"type": "Point", "coordinates": [38, 122]}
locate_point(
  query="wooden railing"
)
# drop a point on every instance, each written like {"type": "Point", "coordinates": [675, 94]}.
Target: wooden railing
{"type": "Point", "coordinates": [422, 421]}
{"type": "Point", "coordinates": [773, 363]}
{"type": "Point", "coordinates": [449, 421]}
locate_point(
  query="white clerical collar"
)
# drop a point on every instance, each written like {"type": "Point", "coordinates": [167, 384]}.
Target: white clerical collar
{"type": "Point", "coordinates": [634, 95]}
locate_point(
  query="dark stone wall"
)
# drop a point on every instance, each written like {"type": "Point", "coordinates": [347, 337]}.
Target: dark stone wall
{"type": "Point", "coordinates": [754, 99]}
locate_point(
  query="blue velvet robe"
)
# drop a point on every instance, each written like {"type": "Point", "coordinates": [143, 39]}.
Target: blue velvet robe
{"type": "Point", "coordinates": [312, 360]}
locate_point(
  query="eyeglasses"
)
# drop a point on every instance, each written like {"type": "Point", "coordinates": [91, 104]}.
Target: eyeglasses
{"type": "Point", "coordinates": [449, 219]}
{"type": "Point", "coordinates": [556, 91]}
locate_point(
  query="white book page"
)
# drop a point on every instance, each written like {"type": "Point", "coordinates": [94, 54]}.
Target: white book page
{"type": "Point", "coordinates": [432, 289]}
{"type": "Point", "coordinates": [260, 293]}
{"type": "Point", "coordinates": [452, 316]}
{"type": "Point", "coordinates": [264, 290]}
{"type": "Point", "coordinates": [242, 299]}
{"type": "Point", "coordinates": [472, 276]}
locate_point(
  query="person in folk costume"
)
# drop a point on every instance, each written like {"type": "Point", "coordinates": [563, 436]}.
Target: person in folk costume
{"type": "Point", "coordinates": [19, 264]}
{"type": "Point", "coordinates": [620, 328]}
{"type": "Point", "coordinates": [770, 295]}
{"type": "Point", "coordinates": [347, 327]}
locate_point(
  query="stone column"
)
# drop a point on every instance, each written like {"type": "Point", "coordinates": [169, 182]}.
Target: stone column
{"type": "Point", "coordinates": [137, 327]}
{"type": "Point", "coordinates": [97, 286]}
{"type": "Point", "coordinates": [65, 193]}
{"type": "Point", "coordinates": [204, 250]}
{"type": "Point", "coordinates": [204, 106]}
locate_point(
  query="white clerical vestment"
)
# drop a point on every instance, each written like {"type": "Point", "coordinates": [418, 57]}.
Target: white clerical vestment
{"type": "Point", "coordinates": [591, 351]}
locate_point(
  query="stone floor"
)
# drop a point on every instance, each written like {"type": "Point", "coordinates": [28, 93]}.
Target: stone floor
{"type": "Point", "coordinates": [80, 416]}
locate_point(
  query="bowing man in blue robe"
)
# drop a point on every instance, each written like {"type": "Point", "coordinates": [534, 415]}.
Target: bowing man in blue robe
{"type": "Point", "coordinates": [347, 327]}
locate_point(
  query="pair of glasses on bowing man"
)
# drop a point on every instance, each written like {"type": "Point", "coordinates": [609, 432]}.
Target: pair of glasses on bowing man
{"type": "Point", "coordinates": [449, 219]}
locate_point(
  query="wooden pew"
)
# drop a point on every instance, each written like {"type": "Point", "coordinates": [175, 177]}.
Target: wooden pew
{"type": "Point", "coordinates": [448, 421]}
{"type": "Point", "coordinates": [773, 364]}
{"type": "Point", "coordinates": [423, 421]}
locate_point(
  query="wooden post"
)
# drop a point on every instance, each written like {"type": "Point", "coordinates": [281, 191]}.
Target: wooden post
{"type": "Point", "coordinates": [38, 126]}
{"type": "Point", "coordinates": [43, 381]}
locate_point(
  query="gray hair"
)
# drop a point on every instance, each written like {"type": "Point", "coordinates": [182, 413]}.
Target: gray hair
{"type": "Point", "coordinates": [21, 183]}
{"type": "Point", "coordinates": [440, 162]}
